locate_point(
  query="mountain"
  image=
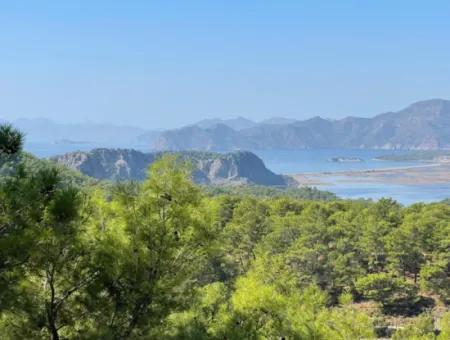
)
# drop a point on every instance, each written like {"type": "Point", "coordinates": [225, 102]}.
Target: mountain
{"type": "Point", "coordinates": [148, 138]}
{"type": "Point", "coordinates": [220, 137]}
{"type": "Point", "coordinates": [237, 124]}
{"type": "Point", "coordinates": [421, 126]}
{"type": "Point", "coordinates": [46, 131]}
{"type": "Point", "coordinates": [278, 121]}
{"type": "Point", "coordinates": [241, 167]}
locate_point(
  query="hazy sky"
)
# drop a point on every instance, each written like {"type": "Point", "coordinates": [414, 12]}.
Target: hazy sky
{"type": "Point", "coordinates": [168, 63]}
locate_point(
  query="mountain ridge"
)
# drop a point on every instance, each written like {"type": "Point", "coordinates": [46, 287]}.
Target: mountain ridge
{"type": "Point", "coordinates": [235, 168]}
{"type": "Point", "coordinates": [423, 125]}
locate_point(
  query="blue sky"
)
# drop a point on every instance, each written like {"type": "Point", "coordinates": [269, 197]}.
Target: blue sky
{"type": "Point", "coordinates": [167, 63]}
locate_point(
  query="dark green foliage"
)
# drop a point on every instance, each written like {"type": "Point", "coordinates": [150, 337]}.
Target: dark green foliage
{"type": "Point", "coordinates": [307, 193]}
{"type": "Point", "coordinates": [164, 259]}
{"type": "Point", "coordinates": [11, 140]}
{"type": "Point", "coordinates": [385, 288]}
{"type": "Point", "coordinates": [435, 278]}
{"type": "Point", "coordinates": [65, 205]}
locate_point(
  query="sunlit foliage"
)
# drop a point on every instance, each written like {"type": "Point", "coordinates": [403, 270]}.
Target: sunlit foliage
{"type": "Point", "coordinates": [163, 259]}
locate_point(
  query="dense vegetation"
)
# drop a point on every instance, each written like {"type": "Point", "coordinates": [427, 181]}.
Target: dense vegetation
{"type": "Point", "coordinates": [162, 259]}
{"type": "Point", "coordinates": [260, 191]}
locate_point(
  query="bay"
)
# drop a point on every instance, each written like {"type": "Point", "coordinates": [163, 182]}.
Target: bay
{"type": "Point", "coordinates": [318, 161]}
{"type": "Point", "coordinates": [310, 161]}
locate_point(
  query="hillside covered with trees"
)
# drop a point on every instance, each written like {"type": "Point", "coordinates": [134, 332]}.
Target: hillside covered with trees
{"type": "Point", "coordinates": [165, 259]}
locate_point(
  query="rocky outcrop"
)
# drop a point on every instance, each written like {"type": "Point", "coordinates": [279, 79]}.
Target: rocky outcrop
{"type": "Point", "coordinates": [240, 167]}
{"type": "Point", "coordinates": [108, 163]}
{"type": "Point", "coordinates": [237, 167]}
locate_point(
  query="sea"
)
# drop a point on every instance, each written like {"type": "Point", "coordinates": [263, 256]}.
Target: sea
{"type": "Point", "coordinates": [311, 161]}
{"type": "Point", "coordinates": [318, 160]}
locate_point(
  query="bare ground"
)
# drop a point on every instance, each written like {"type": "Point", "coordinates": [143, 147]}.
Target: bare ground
{"type": "Point", "coordinates": [433, 173]}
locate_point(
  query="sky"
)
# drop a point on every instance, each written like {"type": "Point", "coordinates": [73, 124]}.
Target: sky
{"type": "Point", "coordinates": [161, 64]}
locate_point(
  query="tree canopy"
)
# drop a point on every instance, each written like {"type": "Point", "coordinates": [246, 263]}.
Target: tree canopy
{"type": "Point", "coordinates": [166, 259]}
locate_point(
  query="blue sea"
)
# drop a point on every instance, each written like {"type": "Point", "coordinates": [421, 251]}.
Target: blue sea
{"type": "Point", "coordinates": [296, 161]}
{"type": "Point", "coordinates": [310, 161]}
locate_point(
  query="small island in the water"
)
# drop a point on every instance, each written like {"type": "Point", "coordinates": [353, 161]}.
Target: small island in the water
{"type": "Point", "coordinates": [345, 160]}
{"type": "Point", "coordinates": [69, 141]}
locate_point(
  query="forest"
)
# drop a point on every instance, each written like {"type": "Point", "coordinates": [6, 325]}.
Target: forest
{"type": "Point", "coordinates": [167, 259]}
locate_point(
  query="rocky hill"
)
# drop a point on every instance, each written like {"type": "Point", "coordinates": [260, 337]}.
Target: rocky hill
{"type": "Point", "coordinates": [237, 124]}
{"type": "Point", "coordinates": [218, 138]}
{"type": "Point", "coordinates": [209, 168]}
{"type": "Point", "coordinates": [421, 126]}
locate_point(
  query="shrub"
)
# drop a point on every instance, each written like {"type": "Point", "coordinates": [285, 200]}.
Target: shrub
{"type": "Point", "coordinates": [385, 288]}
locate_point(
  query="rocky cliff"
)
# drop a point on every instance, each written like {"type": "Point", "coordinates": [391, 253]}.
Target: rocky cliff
{"type": "Point", "coordinates": [240, 167]}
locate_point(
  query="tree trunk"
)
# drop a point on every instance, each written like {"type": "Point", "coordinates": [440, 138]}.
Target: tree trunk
{"type": "Point", "coordinates": [51, 318]}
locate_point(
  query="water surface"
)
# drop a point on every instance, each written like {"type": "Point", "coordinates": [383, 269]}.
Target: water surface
{"type": "Point", "coordinates": [300, 161]}
{"type": "Point", "coordinates": [310, 161]}
{"type": "Point", "coordinates": [313, 161]}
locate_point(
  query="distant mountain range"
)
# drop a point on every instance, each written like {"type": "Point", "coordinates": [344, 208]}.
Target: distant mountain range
{"type": "Point", "coordinates": [421, 126]}
{"type": "Point", "coordinates": [41, 130]}
{"type": "Point", "coordinates": [237, 124]}
{"type": "Point", "coordinates": [46, 131]}
{"type": "Point", "coordinates": [234, 168]}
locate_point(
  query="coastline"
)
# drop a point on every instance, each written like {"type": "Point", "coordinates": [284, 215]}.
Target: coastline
{"type": "Point", "coordinates": [368, 170]}
{"type": "Point", "coordinates": [421, 174]}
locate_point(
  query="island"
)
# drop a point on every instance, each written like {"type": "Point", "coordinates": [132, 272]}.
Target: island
{"type": "Point", "coordinates": [346, 160]}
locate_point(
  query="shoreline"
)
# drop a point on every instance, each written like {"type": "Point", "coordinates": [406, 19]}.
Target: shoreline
{"type": "Point", "coordinates": [407, 167]}
{"type": "Point", "coordinates": [421, 174]}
